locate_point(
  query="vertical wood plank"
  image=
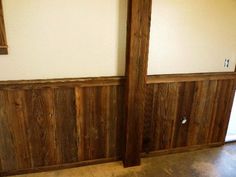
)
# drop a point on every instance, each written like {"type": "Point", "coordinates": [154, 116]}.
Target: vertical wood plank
{"type": "Point", "coordinates": [199, 120]}
{"type": "Point", "coordinates": [80, 123]}
{"type": "Point", "coordinates": [18, 125]}
{"type": "Point", "coordinates": [91, 131]}
{"type": "Point", "coordinates": [1, 169]}
{"type": "Point", "coordinates": [99, 121]}
{"type": "Point", "coordinates": [66, 130]}
{"type": "Point", "coordinates": [222, 109]}
{"type": "Point", "coordinates": [148, 128]}
{"type": "Point", "coordinates": [14, 144]}
{"type": "Point", "coordinates": [7, 150]}
{"type": "Point", "coordinates": [229, 105]}
{"type": "Point", "coordinates": [185, 107]}
{"type": "Point", "coordinates": [41, 126]}
{"type": "Point", "coordinates": [139, 15]}
{"type": "Point", "coordinates": [119, 109]}
{"type": "Point", "coordinates": [164, 115]}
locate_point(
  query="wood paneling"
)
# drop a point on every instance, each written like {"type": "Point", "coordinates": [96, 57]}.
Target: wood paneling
{"type": "Point", "coordinates": [54, 126]}
{"type": "Point", "coordinates": [205, 104]}
{"type": "Point", "coordinates": [41, 126]}
{"type": "Point", "coordinates": [100, 120]}
{"type": "Point", "coordinates": [185, 105]}
{"type": "Point", "coordinates": [139, 17]}
{"type": "Point", "coordinates": [14, 144]}
{"type": "Point", "coordinates": [161, 112]}
{"type": "Point", "coordinates": [221, 110]}
{"type": "Point", "coordinates": [66, 129]}
{"type": "Point", "coordinates": [59, 124]}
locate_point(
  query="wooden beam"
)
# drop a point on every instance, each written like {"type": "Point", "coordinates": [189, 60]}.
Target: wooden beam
{"type": "Point", "coordinates": [139, 17]}
{"type": "Point", "coordinates": [3, 39]}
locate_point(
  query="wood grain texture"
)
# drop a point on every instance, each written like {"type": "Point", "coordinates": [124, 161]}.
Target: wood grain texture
{"type": "Point", "coordinates": [54, 127]}
{"type": "Point", "coordinates": [139, 16]}
{"type": "Point", "coordinates": [167, 78]}
{"type": "Point", "coordinates": [64, 125]}
{"type": "Point", "coordinates": [221, 110]}
{"type": "Point", "coordinates": [3, 38]}
{"type": "Point", "coordinates": [41, 126]}
{"type": "Point", "coordinates": [66, 129]}
{"type": "Point", "coordinates": [14, 144]}
{"type": "Point", "coordinates": [99, 121]}
{"type": "Point", "coordinates": [58, 83]}
{"type": "Point", "coordinates": [206, 105]}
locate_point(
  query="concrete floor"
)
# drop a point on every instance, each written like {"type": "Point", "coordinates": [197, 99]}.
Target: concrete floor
{"type": "Point", "coordinates": [216, 162]}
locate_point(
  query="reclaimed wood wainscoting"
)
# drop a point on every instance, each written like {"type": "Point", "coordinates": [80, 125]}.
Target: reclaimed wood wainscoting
{"type": "Point", "coordinates": [54, 124]}
{"type": "Point", "coordinates": [184, 112]}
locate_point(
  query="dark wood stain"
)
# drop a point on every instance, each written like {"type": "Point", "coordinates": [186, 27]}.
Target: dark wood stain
{"type": "Point", "coordinates": [184, 111]}
{"type": "Point", "coordinates": [205, 104]}
{"type": "Point", "coordinates": [66, 129]}
{"type": "Point", "coordinates": [51, 127]}
{"type": "Point", "coordinates": [139, 16]}
{"type": "Point", "coordinates": [7, 150]}
{"type": "Point", "coordinates": [99, 120]}
{"type": "Point", "coordinates": [41, 126]}
{"type": "Point", "coordinates": [14, 146]}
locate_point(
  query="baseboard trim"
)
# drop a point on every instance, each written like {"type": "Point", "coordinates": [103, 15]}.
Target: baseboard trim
{"type": "Point", "coordinates": [57, 167]}
{"type": "Point", "coordinates": [180, 150]}
{"type": "Point", "coordinates": [100, 161]}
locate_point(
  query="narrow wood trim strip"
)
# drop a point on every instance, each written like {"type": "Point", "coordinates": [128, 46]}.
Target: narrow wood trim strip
{"type": "Point", "coordinates": [180, 150]}
{"type": "Point", "coordinates": [3, 47]}
{"type": "Point", "coordinates": [58, 167]}
{"type": "Point", "coordinates": [116, 80]}
{"type": "Point", "coordinates": [3, 38]}
{"type": "Point", "coordinates": [190, 77]}
{"type": "Point", "coordinates": [80, 82]}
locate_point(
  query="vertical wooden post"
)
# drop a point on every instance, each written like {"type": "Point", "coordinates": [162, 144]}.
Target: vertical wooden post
{"type": "Point", "coordinates": [3, 40]}
{"type": "Point", "coordinates": [139, 17]}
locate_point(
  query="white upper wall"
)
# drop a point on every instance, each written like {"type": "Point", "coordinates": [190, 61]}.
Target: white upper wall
{"type": "Point", "coordinates": [192, 36]}
{"type": "Point", "coordinates": [60, 39]}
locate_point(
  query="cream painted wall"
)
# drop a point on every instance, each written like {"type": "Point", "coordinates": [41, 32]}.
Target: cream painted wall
{"type": "Point", "coordinates": [59, 39]}
{"type": "Point", "coordinates": [192, 36]}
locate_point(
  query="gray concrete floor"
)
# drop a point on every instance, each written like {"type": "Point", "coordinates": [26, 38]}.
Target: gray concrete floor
{"type": "Point", "coordinates": [215, 162]}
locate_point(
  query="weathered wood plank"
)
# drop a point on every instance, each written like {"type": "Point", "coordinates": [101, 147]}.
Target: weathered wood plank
{"type": "Point", "coordinates": [66, 130]}
{"type": "Point", "coordinates": [148, 127]}
{"type": "Point", "coordinates": [199, 121]}
{"type": "Point", "coordinates": [14, 145]}
{"type": "Point", "coordinates": [222, 108]}
{"type": "Point", "coordinates": [41, 127]}
{"type": "Point", "coordinates": [185, 107]}
{"type": "Point", "coordinates": [18, 125]}
{"type": "Point", "coordinates": [7, 149]}
{"type": "Point", "coordinates": [139, 15]}
{"type": "Point", "coordinates": [80, 123]}
{"type": "Point", "coordinates": [99, 121]}
{"type": "Point", "coordinates": [165, 113]}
